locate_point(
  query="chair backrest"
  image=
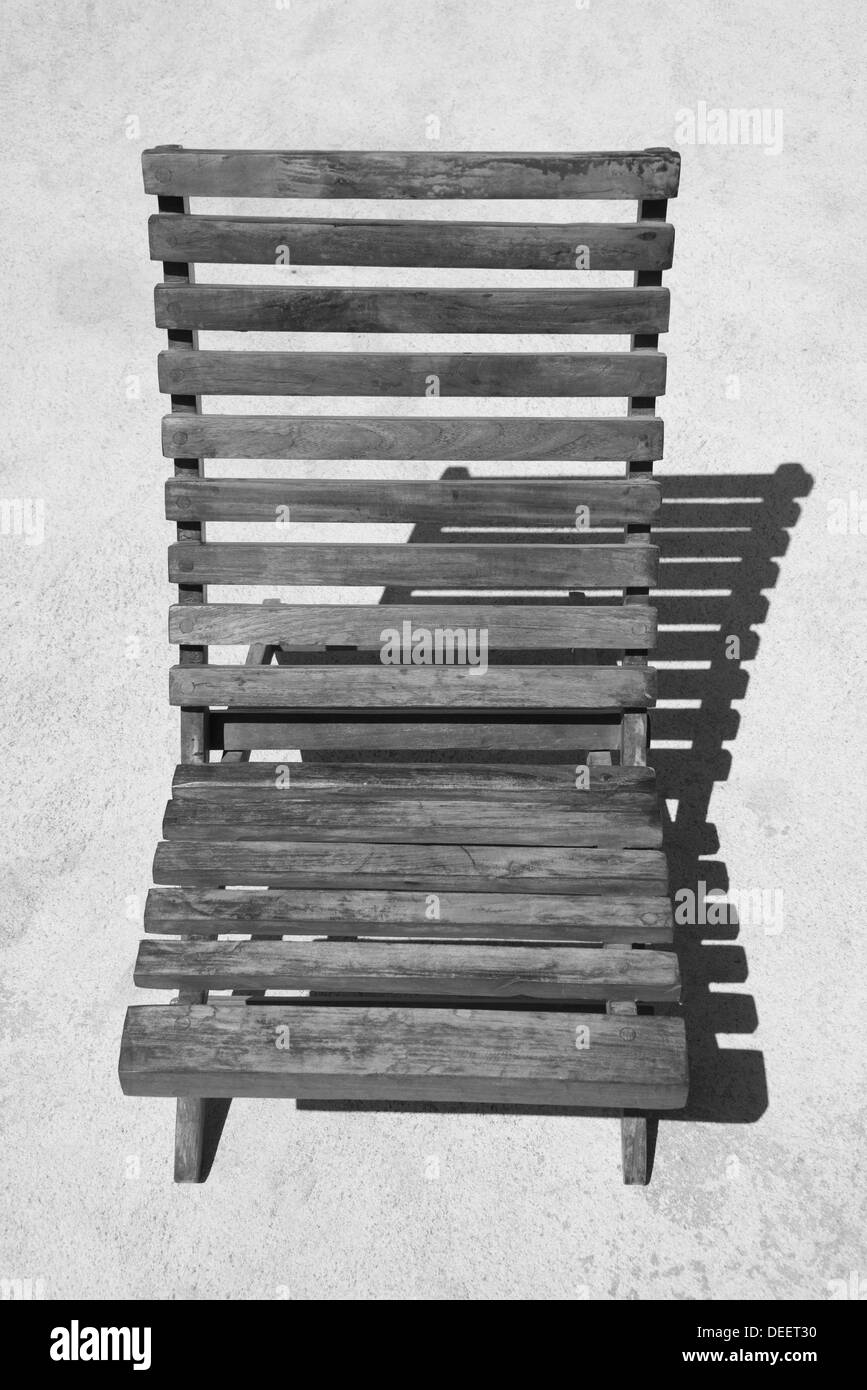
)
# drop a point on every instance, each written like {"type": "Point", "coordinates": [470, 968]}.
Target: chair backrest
{"type": "Point", "coordinates": [566, 673]}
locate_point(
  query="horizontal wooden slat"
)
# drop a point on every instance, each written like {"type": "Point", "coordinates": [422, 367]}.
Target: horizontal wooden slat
{"type": "Point", "coordinates": [465, 868]}
{"type": "Point", "coordinates": [601, 439]}
{"type": "Point", "coordinates": [497, 972]}
{"type": "Point", "coordinates": [288, 309]}
{"type": "Point", "coordinates": [509, 627]}
{"type": "Point", "coordinates": [247, 730]}
{"type": "Point", "coordinates": [415, 687]}
{"type": "Point", "coordinates": [424, 566]}
{"type": "Point", "coordinates": [479, 501]}
{"type": "Point", "coordinates": [268, 802]}
{"type": "Point", "coordinates": [436, 821]}
{"type": "Point", "coordinates": [477, 1055]}
{"type": "Point", "coordinates": [620, 174]}
{"type": "Point", "coordinates": [409, 374]}
{"type": "Point", "coordinates": [589, 919]}
{"type": "Point", "coordinates": [399, 820]}
{"type": "Point", "coordinates": [600, 917]}
{"type": "Point", "coordinates": [433, 245]}
{"type": "Point", "coordinates": [204, 781]}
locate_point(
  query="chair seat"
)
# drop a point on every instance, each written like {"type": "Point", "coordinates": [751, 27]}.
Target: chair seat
{"type": "Point", "coordinates": [540, 911]}
{"type": "Point", "coordinates": [473, 852]}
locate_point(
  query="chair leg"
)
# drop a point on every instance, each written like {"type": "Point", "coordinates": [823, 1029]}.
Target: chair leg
{"type": "Point", "coordinates": [633, 1148]}
{"type": "Point", "coordinates": [190, 1118]}
{"type": "Point", "coordinates": [189, 1138]}
{"type": "Point", "coordinates": [633, 1127]}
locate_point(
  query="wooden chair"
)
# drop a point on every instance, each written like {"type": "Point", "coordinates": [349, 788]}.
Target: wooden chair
{"type": "Point", "coordinates": [458, 884]}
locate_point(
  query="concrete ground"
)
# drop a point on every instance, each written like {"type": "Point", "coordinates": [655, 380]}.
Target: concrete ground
{"type": "Point", "coordinates": [759, 1192]}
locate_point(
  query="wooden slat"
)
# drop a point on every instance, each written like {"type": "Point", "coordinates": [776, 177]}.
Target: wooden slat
{"type": "Point", "coordinates": [496, 972]}
{"type": "Point", "coordinates": [484, 501]}
{"type": "Point", "coordinates": [621, 174]}
{"type": "Point", "coordinates": [259, 800]}
{"type": "Point", "coordinates": [406, 374]}
{"type": "Point", "coordinates": [217, 779]}
{"type": "Point", "coordinates": [436, 821]}
{"type": "Point", "coordinates": [469, 868]}
{"type": "Point", "coordinates": [522, 1057]}
{"type": "Point", "coordinates": [414, 687]}
{"type": "Point", "coordinates": [401, 820]}
{"type": "Point", "coordinates": [324, 309]}
{"type": "Point", "coordinates": [424, 566]}
{"type": "Point", "coordinates": [431, 244]}
{"type": "Point", "coordinates": [509, 627]}
{"type": "Point", "coordinates": [600, 439]}
{"type": "Point", "coordinates": [369, 731]}
{"type": "Point", "coordinates": [516, 916]}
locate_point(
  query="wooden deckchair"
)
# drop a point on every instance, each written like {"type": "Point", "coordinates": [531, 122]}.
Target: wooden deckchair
{"type": "Point", "coordinates": [457, 885]}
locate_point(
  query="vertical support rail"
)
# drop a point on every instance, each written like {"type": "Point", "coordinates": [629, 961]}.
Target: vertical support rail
{"type": "Point", "coordinates": [194, 722]}
{"type": "Point", "coordinates": [191, 1110]}
{"type": "Point", "coordinates": [634, 730]}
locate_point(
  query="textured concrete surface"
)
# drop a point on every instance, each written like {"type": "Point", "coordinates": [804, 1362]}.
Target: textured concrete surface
{"type": "Point", "coordinates": [758, 1193]}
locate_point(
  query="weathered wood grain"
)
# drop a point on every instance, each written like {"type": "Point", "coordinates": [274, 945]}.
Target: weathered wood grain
{"type": "Point", "coordinates": [523, 1057]}
{"type": "Point", "coordinates": [269, 802]}
{"type": "Point", "coordinates": [430, 244]}
{"type": "Point", "coordinates": [482, 915]}
{"type": "Point", "coordinates": [453, 565]}
{"type": "Point", "coordinates": [509, 627]}
{"type": "Point", "coordinates": [414, 687]}
{"type": "Point", "coordinates": [495, 972]}
{"type": "Point", "coordinates": [616, 174]}
{"type": "Point", "coordinates": [323, 309]}
{"type": "Point", "coordinates": [484, 501]}
{"type": "Point", "coordinates": [598, 439]}
{"type": "Point", "coordinates": [408, 374]}
{"type": "Point", "coordinates": [541, 820]}
{"type": "Point", "coordinates": [468, 867]}
{"type": "Point", "coordinates": [205, 781]}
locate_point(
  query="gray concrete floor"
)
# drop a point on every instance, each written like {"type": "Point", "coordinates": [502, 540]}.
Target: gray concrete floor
{"type": "Point", "coordinates": [760, 1192]}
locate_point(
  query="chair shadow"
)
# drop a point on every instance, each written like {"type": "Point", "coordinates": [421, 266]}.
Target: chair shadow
{"type": "Point", "coordinates": [216, 1114]}
{"type": "Point", "coordinates": [727, 1084]}
{"type": "Point", "coordinates": [719, 538]}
